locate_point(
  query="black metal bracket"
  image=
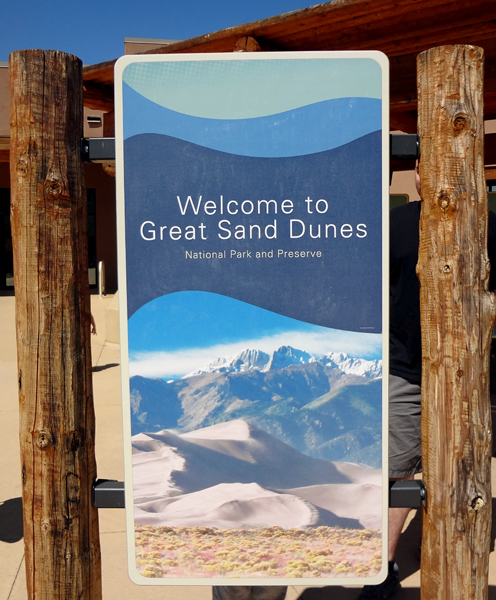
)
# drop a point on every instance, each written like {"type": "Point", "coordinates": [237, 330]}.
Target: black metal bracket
{"type": "Point", "coordinates": [403, 146]}
{"type": "Point", "coordinates": [98, 150]}
{"type": "Point", "coordinates": [108, 493]}
{"type": "Point", "coordinates": [407, 493]}
{"type": "Point", "coordinates": [410, 493]}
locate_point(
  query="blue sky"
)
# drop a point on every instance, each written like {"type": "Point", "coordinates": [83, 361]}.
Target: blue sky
{"type": "Point", "coordinates": [95, 31]}
{"type": "Point", "coordinates": [178, 333]}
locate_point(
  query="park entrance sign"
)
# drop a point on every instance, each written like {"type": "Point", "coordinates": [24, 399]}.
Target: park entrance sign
{"type": "Point", "coordinates": [253, 270]}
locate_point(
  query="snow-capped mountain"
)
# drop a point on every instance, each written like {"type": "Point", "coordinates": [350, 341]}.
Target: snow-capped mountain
{"type": "Point", "coordinates": [285, 356]}
{"type": "Point", "coordinates": [371, 369]}
{"type": "Point", "coordinates": [247, 360]}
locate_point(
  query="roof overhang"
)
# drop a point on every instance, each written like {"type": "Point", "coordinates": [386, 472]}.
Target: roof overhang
{"type": "Point", "coordinates": [399, 28]}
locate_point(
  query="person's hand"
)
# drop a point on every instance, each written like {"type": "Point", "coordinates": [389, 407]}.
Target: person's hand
{"type": "Point", "coordinates": [93, 325]}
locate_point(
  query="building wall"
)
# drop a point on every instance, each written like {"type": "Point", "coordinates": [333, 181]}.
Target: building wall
{"type": "Point", "coordinates": [404, 183]}
{"type": "Point", "coordinates": [106, 228]}
{"type": "Point", "coordinates": [96, 178]}
{"type": "Point", "coordinates": [140, 45]}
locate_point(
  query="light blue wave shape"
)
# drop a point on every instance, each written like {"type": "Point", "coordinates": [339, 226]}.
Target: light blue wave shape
{"type": "Point", "coordinates": [306, 130]}
{"type": "Point", "coordinates": [246, 86]}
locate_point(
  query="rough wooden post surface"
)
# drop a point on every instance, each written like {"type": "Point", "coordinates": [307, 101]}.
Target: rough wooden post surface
{"type": "Point", "coordinates": [57, 428]}
{"type": "Point", "coordinates": [457, 318]}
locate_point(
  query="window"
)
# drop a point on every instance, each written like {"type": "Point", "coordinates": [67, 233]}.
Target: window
{"type": "Point", "coordinates": [397, 200]}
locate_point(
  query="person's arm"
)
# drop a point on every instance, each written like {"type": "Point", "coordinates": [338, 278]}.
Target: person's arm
{"type": "Point", "coordinates": [93, 325]}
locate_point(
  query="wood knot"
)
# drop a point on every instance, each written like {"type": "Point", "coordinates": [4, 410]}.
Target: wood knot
{"type": "Point", "coordinates": [22, 165]}
{"type": "Point", "coordinates": [444, 201]}
{"type": "Point", "coordinates": [477, 503]}
{"type": "Point", "coordinates": [460, 123]}
{"type": "Point", "coordinates": [53, 188]}
{"type": "Point", "coordinates": [44, 440]}
{"type": "Point", "coordinates": [73, 441]}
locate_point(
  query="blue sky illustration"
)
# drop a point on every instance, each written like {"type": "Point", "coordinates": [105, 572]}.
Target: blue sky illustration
{"type": "Point", "coordinates": [177, 333]}
{"type": "Point", "coordinates": [227, 88]}
{"type": "Point", "coordinates": [301, 106]}
{"type": "Point", "coordinates": [305, 130]}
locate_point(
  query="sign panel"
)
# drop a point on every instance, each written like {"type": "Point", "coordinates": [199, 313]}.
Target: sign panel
{"type": "Point", "coordinates": [252, 212]}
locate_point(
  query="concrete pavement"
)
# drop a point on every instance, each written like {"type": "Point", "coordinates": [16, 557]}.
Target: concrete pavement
{"type": "Point", "coordinates": [116, 584]}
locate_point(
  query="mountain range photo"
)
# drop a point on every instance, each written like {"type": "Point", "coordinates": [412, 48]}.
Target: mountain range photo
{"type": "Point", "coordinates": [328, 408]}
{"type": "Point", "coordinates": [258, 446]}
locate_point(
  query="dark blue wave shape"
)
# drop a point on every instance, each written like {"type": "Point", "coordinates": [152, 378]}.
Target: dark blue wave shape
{"type": "Point", "coordinates": [341, 289]}
{"type": "Point", "coordinates": [306, 130]}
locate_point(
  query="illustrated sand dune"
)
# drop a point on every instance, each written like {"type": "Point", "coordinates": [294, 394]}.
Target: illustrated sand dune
{"type": "Point", "coordinates": [226, 506]}
{"type": "Point", "coordinates": [233, 475]}
{"type": "Point", "coordinates": [360, 501]}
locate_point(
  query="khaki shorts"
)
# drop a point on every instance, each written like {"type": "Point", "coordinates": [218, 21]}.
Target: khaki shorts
{"type": "Point", "coordinates": [405, 448]}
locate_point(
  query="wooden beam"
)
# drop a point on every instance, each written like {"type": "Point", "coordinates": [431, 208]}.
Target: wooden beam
{"type": "Point", "coordinates": [4, 149]}
{"type": "Point", "coordinates": [402, 30]}
{"type": "Point", "coordinates": [392, 27]}
{"type": "Point", "coordinates": [101, 73]}
{"type": "Point", "coordinates": [98, 96]}
{"type": "Point", "coordinates": [386, 25]}
{"type": "Point", "coordinates": [57, 422]}
{"type": "Point", "coordinates": [457, 317]}
{"type": "Point", "coordinates": [403, 121]}
{"type": "Point", "coordinates": [247, 44]}
{"type": "Point", "coordinates": [490, 173]}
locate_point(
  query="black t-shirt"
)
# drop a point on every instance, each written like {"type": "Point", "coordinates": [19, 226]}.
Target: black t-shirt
{"type": "Point", "coordinates": [405, 347]}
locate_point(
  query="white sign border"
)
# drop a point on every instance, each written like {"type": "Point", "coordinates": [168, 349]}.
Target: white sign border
{"type": "Point", "coordinates": [120, 66]}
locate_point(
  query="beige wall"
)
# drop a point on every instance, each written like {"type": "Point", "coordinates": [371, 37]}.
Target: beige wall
{"type": "Point", "coordinates": [404, 183]}
{"type": "Point", "coordinates": [490, 127]}
{"type": "Point", "coordinates": [92, 129]}
{"type": "Point", "coordinates": [139, 45]}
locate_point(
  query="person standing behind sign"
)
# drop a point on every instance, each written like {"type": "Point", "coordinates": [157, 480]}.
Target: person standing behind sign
{"type": "Point", "coordinates": [405, 367]}
{"type": "Point", "coordinates": [242, 592]}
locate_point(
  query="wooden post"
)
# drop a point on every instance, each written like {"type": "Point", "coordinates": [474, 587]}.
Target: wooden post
{"type": "Point", "coordinates": [458, 315]}
{"type": "Point", "coordinates": [57, 429]}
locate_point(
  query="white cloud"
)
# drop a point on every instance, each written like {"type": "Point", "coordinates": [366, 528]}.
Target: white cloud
{"type": "Point", "coordinates": [181, 362]}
